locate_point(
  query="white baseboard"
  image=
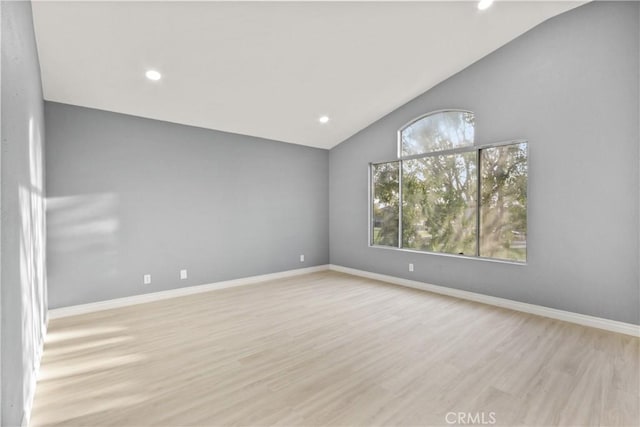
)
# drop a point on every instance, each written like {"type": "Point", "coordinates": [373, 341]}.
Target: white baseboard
{"type": "Point", "coordinates": [567, 316]}
{"type": "Point", "coordinates": [57, 313]}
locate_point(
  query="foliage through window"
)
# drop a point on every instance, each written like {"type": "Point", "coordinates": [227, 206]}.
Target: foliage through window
{"type": "Point", "coordinates": [447, 195]}
{"type": "Point", "coordinates": [386, 196]}
{"type": "Point", "coordinates": [437, 132]}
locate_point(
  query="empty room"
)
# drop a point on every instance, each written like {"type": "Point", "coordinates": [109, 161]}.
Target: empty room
{"type": "Point", "coordinates": [320, 213]}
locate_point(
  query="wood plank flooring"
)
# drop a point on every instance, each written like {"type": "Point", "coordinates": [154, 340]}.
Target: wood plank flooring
{"type": "Point", "coordinates": [331, 349]}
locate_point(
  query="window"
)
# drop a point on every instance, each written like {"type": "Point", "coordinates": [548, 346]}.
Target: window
{"type": "Point", "coordinates": [437, 132]}
{"type": "Point", "coordinates": [447, 194]}
{"type": "Point", "coordinates": [439, 203]}
{"type": "Point", "coordinates": [386, 201]}
{"type": "Point", "coordinates": [503, 206]}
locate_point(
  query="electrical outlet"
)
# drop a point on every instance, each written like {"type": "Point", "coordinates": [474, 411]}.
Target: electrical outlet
{"type": "Point", "coordinates": [410, 267]}
{"type": "Point", "coordinates": [183, 274]}
{"type": "Point", "coordinates": [147, 279]}
{"type": "Point", "coordinates": [301, 258]}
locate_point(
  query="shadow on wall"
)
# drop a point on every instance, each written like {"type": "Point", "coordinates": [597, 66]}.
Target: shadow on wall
{"type": "Point", "coordinates": [33, 282]}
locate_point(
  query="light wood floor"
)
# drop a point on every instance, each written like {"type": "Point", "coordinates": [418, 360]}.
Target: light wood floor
{"type": "Point", "coordinates": [331, 349]}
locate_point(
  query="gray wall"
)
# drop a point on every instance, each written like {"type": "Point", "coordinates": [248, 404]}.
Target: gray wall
{"type": "Point", "coordinates": [22, 225]}
{"type": "Point", "coordinates": [569, 86]}
{"type": "Point", "coordinates": [129, 196]}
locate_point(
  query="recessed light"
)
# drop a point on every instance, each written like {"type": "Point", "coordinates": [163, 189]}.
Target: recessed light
{"type": "Point", "coordinates": [484, 4]}
{"type": "Point", "coordinates": [153, 75]}
{"type": "Point", "coordinates": [324, 119]}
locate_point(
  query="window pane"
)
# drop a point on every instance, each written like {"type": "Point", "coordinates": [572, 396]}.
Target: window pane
{"type": "Point", "coordinates": [439, 203]}
{"type": "Point", "coordinates": [503, 212]}
{"type": "Point", "coordinates": [438, 131]}
{"type": "Point", "coordinates": [385, 187]}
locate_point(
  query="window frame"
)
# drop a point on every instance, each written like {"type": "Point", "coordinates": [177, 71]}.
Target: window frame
{"type": "Point", "coordinates": [477, 148]}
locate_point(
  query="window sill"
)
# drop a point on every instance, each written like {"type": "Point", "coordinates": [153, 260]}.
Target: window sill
{"type": "Point", "coordinates": [475, 258]}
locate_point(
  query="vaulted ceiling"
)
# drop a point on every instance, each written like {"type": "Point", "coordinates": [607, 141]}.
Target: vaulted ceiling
{"type": "Point", "coordinates": [267, 69]}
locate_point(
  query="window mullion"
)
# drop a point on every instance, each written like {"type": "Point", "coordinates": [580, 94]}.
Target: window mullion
{"type": "Point", "coordinates": [371, 201]}
{"type": "Point", "coordinates": [478, 198]}
{"type": "Point", "coordinates": [400, 204]}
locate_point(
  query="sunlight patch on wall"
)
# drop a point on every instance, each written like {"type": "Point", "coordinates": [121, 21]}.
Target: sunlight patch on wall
{"type": "Point", "coordinates": [33, 282]}
{"type": "Point", "coordinates": [86, 228]}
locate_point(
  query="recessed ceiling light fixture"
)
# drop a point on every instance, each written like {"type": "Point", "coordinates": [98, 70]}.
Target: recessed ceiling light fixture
{"type": "Point", "coordinates": [324, 119]}
{"type": "Point", "coordinates": [484, 4]}
{"type": "Point", "coordinates": [153, 75]}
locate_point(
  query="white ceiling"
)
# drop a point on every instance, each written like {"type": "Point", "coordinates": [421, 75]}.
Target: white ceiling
{"type": "Point", "coordinates": [267, 69]}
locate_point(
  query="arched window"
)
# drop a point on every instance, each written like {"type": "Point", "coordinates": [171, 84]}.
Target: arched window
{"type": "Point", "coordinates": [449, 194]}
{"type": "Point", "coordinates": [442, 130]}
